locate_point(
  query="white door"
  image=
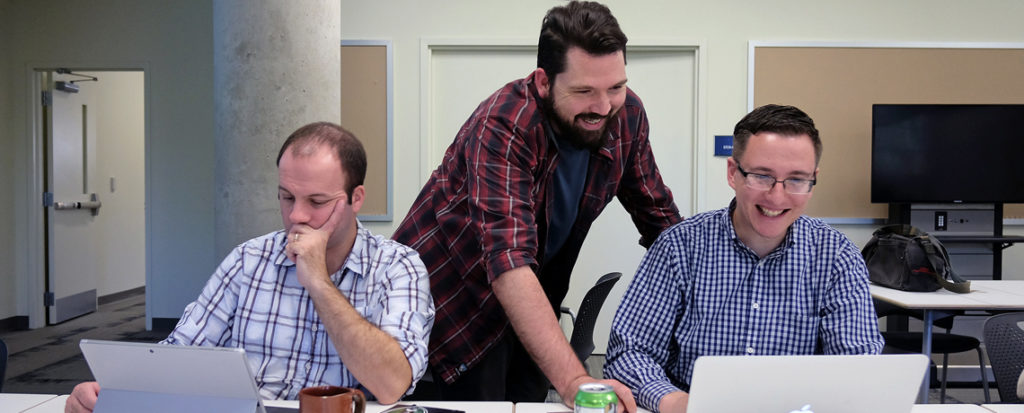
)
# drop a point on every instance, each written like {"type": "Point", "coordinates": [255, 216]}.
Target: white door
{"type": "Point", "coordinates": [72, 234]}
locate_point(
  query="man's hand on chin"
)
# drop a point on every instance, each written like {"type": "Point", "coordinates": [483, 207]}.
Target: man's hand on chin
{"type": "Point", "coordinates": [307, 247]}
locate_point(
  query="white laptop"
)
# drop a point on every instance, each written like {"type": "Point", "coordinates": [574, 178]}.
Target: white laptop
{"type": "Point", "coordinates": [821, 384]}
{"type": "Point", "coordinates": [157, 378]}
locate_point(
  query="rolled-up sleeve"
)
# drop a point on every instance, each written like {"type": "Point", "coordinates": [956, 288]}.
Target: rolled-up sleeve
{"type": "Point", "coordinates": [409, 310]}
{"type": "Point", "coordinates": [501, 190]}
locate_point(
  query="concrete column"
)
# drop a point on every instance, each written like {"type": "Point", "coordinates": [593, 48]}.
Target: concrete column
{"type": "Point", "coordinates": [276, 67]}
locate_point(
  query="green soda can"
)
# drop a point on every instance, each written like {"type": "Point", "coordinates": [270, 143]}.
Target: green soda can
{"type": "Point", "coordinates": [596, 398]}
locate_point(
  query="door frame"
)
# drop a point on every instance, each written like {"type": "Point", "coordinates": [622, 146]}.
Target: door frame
{"type": "Point", "coordinates": [430, 45]}
{"type": "Point", "coordinates": [33, 232]}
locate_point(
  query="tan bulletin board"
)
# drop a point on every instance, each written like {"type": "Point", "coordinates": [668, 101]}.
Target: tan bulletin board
{"type": "Point", "coordinates": [837, 86]}
{"type": "Point", "coordinates": [366, 111]}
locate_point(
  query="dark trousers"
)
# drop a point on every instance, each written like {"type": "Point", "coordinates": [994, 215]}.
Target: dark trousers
{"type": "Point", "coordinates": [505, 373]}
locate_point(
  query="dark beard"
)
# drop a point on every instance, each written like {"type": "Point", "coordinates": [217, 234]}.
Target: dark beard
{"type": "Point", "coordinates": [579, 137]}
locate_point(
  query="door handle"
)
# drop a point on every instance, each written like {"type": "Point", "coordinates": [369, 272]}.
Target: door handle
{"type": "Point", "coordinates": [93, 204]}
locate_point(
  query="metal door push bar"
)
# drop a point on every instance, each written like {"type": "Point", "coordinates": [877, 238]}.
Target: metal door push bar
{"type": "Point", "coordinates": [93, 204]}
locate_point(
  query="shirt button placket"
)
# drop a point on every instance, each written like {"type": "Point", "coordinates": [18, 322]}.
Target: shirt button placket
{"type": "Point", "coordinates": [755, 305]}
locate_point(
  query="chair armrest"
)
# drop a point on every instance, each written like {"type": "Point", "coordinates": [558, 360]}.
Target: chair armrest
{"type": "Point", "coordinates": [567, 310]}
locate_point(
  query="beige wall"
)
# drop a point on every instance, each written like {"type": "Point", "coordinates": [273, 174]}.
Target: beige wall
{"type": "Point", "coordinates": [8, 284]}
{"type": "Point", "coordinates": [173, 41]}
{"type": "Point", "coordinates": [722, 28]}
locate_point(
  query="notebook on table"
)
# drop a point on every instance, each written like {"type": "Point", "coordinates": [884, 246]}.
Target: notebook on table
{"type": "Point", "coordinates": [803, 384]}
{"type": "Point", "coordinates": [156, 378]}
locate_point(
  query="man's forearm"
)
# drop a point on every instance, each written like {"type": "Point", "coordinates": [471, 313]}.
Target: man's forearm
{"type": "Point", "coordinates": [535, 323]}
{"type": "Point", "coordinates": [674, 402]}
{"type": "Point", "coordinates": [373, 356]}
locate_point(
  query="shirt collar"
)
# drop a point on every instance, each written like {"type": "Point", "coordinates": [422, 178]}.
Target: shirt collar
{"type": "Point", "coordinates": [360, 253]}
{"type": "Point", "coordinates": [792, 237]}
{"type": "Point", "coordinates": [354, 262]}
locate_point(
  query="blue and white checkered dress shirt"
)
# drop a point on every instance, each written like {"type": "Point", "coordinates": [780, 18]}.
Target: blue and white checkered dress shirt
{"type": "Point", "coordinates": [700, 291]}
{"type": "Point", "coordinates": [254, 301]}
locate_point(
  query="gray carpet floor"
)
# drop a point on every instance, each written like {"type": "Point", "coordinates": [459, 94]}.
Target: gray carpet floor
{"type": "Point", "coordinates": [48, 360]}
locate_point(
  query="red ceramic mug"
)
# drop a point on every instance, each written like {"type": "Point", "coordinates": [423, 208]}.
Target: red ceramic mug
{"type": "Point", "coordinates": [331, 399]}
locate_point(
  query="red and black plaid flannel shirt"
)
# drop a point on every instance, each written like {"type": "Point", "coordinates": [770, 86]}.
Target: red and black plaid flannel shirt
{"type": "Point", "coordinates": [483, 212]}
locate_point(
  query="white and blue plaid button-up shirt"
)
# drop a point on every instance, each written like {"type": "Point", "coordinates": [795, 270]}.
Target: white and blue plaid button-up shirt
{"type": "Point", "coordinates": [254, 301]}
{"type": "Point", "coordinates": [701, 291]}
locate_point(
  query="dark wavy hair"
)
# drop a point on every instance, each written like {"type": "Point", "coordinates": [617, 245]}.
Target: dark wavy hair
{"type": "Point", "coordinates": [585, 24]}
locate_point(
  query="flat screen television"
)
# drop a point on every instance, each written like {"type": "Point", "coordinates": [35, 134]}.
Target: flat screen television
{"type": "Point", "coordinates": [947, 153]}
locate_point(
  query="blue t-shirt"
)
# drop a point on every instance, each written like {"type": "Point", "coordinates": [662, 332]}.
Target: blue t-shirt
{"type": "Point", "coordinates": [569, 179]}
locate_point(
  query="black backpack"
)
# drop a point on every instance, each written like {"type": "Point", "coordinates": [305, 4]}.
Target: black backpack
{"type": "Point", "coordinates": [906, 258]}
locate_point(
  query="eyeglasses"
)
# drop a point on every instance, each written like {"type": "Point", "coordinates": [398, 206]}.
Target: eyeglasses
{"type": "Point", "coordinates": [761, 182]}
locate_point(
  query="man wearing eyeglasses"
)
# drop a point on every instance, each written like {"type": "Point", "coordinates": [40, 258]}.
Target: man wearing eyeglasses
{"type": "Point", "coordinates": [754, 278]}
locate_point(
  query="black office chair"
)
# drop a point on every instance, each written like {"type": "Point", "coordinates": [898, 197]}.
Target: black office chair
{"type": "Point", "coordinates": [3, 363]}
{"type": "Point", "coordinates": [582, 340]}
{"type": "Point", "coordinates": [942, 343]}
{"type": "Point", "coordinates": [1004, 342]}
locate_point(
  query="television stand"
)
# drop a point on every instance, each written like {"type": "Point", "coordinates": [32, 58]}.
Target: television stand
{"type": "Point", "coordinates": [972, 233]}
{"type": "Point", "coordinates": [997, 244]}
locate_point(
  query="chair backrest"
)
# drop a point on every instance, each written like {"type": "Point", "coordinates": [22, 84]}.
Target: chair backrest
{"type": "Point", "coordinates": [3, 363]}
{"type": "Point", "coordinates": [1004, 343]}
{"type": "Point", "coordinates": [582, 340]}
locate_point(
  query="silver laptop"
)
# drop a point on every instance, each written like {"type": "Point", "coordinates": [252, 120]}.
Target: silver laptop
{"type": "Point", "coordinates": [803, 384]}
{"type": "Point", "coordinates": [157, 378]}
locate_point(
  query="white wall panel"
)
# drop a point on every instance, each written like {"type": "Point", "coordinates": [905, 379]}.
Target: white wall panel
{"type": "Point", "coordinates": [121, 133]}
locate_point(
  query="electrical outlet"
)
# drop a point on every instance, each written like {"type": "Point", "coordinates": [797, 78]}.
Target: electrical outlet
{"type": "Point", "coordinates": [940, 220]}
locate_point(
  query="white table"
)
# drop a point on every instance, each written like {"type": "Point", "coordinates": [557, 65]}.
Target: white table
{"type": "Point", "coordinates": [49, 403]}
{"type": "Point", "coordinates": [550, 408]}
{"type": "Point", "coordinates": [468, 407]}
{"type": "Point", "coordinates": [19, 402]}
{"type": "Point", "coordinates": [984, 295]}
{"type": "Point", "coordinates": [918, 408]}
{"type": "Point", "coordinates": [54, 404]}
{"type": "Point", "coordinates": [1005, 408]}
{"type": "Point", "coordinates": [948, 408]}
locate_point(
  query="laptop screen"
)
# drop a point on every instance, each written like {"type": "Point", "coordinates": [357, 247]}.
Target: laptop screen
{"type": "Point", "coordinates": [142, 375]}
{"type": "Point", "coordinates": [784, 384]}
